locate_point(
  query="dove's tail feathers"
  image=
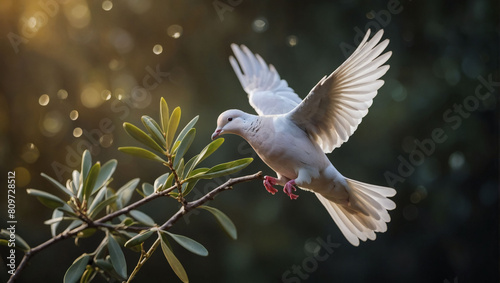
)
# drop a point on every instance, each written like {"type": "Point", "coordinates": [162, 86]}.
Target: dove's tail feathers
{"type": "Point", "coordinates": [366, 212]}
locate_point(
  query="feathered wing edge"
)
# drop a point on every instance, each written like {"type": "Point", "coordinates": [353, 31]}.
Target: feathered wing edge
{"type": "Point", "coordinates": [367, 213]}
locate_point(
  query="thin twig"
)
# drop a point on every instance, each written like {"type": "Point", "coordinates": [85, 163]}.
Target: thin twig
{"type": "Point", "coordinates": [209, 196]}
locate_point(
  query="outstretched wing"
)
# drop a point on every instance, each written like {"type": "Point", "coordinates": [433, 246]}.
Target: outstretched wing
{"type": "Point", "coordinates": [334, 108]}
{"type": "Point", "coordinates": [267, 92]}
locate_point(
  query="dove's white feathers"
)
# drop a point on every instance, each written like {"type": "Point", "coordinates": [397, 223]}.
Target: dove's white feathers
{"type": "Point", "coordinates": [291, 135]}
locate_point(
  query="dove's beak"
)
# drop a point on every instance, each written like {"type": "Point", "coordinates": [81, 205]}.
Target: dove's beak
{"type": "Point", "coordinates": [216, 134]}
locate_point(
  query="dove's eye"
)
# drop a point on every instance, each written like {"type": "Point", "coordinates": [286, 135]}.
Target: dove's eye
{"type": "Point", "coordinates": [229, 119]}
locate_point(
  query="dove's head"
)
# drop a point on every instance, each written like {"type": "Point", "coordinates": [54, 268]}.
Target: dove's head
{"type": "Point", "coordinates": [230, 122]}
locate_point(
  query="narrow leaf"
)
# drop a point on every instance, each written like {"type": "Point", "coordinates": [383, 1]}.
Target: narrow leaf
{"type": "Point", "coordinates": [97, 199]}
{"type": "Point", "coordinates": [142, 217]}
{"type": "Point", "coordinates": [189, 244]}
{"type": "Point", "coordinates": [208, 150]}
{"type": "Point", "coordinates": [76, 180]}
{"type": "Point", "coordinates": [99, 207]}
{"type": "Point", "coordinates": [160, 181]}
{"type": "Point", "coordinates": [49, 200]}
{"type": "Point", "coordinates": [86, 164]}
{"type": "Point", "coordinates": [154, 129]}
{"type": "Point", "coordinates": [126, 191]}
{"type": "Point", "coordinates": [55, 215]}
{"type": "Point", "coordinates": [173, 123]}
{"type": "Point", "coordinates": [164, 114]}
{"type": "Point", "coordinates": [141, 137]}
{"type": "Point", "coordinates": [19, 242]}
{"type": "Point", "coordinates": [105, 173]}
{"type": "Point", "coordinates": [139, 238]}
{"type": "Point", "coordinates": [172, 260]}
{"type": "Point", "coordinates": [88, 184]}
{"type": "Point", "coordinates": [222, 169]}
{"type": "Point", "coordinates": [186, 129]}
{"type": "Point", "coordinates": [76, 270]}
{"type": "Point", "coordinates": [184, 146]}
{"type": "Point", "coordinates": [147, 189]}
{"type": "Point", "coordinates": [57, 184]}
{"type": "Point", "coordinates": [117, 257]}
{"type": "Point", "coordinates": [223, 221]}
{"type": "Point", "coordinates": [189, 187]}
{"type": "Point", "coordinates": [169, 182]}
{"type": "Point", "coordinates": [140, 152]}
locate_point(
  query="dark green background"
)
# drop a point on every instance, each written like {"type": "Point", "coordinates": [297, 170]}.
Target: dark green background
{"type": "Point", "coordinates": [445, 226]}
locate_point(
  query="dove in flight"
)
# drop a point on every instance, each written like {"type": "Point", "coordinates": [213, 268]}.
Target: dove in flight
{"type": "Point", "coordinates": [292, 135]}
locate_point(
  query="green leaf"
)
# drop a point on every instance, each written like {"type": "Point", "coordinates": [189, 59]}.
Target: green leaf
{"type": "Point", "coordinates": [117, 257]}
{"type": "Point", "coordinates": [97, 199]}
{"type": "Point", "coordinates": [99, 207]}
{"type": "Point", "coordinates": [206, 152]}
{"type": "Point", "coordinates": [222, 169]}
{"type": "Point", "coordinates": [86, 164]}
{"type": "Point", "coordinates": [141, 137]}
{"type": "Point", "coordinates": [186, 129]}
{"type": "Point", "coordinates": [76, 270]}
{"type": "Point", "coordinates": [126, 191]}
{"type": "Point", "coordinates": [73, 225]}
{"type": "Point", "coordinates": [154, 130]}
{"type": "Point", "coordinates": [55, 215]}
{"type": "Point", "coordinates": [189, 244]}
{"type": "Point", "coordinates": [89, 183]}
{"type": "Point", "coordinates": [184, 146]}
{"type": "Point", "coordinates": [139, 238]}
{"type": "Point", "coordinates": [173, 123]}
{"type": "Point", "coordinates": [142, 217]}
{"type": "Point", "coordinates": [164, 114]}
{"type": "Point", "coordinates": [141, 152]}
{"type": "Point", "coordinates": [105, 173]}
{"type": "Point", "coordinates": [88, 275]}
{"type": "Point", "coordinates": [147, 189]}
{"type": "Point", "coordinates": [172, 260]}
{"type": "Point", "coordinates": [223, 221]}
{"type": "Point", "coordinates": [49, 200]}
{"type": "Point", "coordinates": [57, 185]}
{"type": "Point", "coordinates": [76, 183]}
{"type": "Point", "coordinates": [19, 242]}
{"type": "Point", "coordinates": [168, 182]}
{"type": "Point", "coordinates": [189, 187]}
{"type": "Point", "coordinates": [160, 181]}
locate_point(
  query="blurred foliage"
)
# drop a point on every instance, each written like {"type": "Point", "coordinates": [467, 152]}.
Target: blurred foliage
{"type": "Point", "coordinates": [102, 62]}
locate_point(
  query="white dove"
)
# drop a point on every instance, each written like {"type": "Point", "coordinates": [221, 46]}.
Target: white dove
{"type": "Point", "coordinates": [292, 135]}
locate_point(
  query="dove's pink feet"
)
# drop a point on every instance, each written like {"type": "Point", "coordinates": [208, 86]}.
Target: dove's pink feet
{"type": "Point", "coordinates": [289, 188]}
{"type": "Point", "coordinates": [269, 182]}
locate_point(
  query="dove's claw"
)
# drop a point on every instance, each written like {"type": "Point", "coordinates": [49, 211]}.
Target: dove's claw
{"type": "Point", "coordinates": [289, 188]}
{"type": "Point", "coordinates": [269, 182]}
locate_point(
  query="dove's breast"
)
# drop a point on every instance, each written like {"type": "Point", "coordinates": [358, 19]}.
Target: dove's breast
{"type": "Point", "coordinates": [284, 147]}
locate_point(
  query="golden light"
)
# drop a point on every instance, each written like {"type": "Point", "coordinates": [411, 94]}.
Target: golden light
{"type": "Point", "coordinates": [44, 99]}
{"type": "Point", "coordinates": [157, 49]}
{"type": "Point", "coordinates": [292, 40]}
{"type": "Point", "coordinates": [52, 123]}
{"type": "Point", "coordinates": [107, 5]}
{"type": "Point", "coordinates": [90, 97]}
{"type": "Point", "coordinates": [77, 132]}
{"type": "Point", "coordinates": [62, 94]}
{"type": "Point", "coordinates": [106, 94]}
{"type": "Point", "coordinates": [174, 31]}
{"type": "Point", "coordinates": [30, 153]}
{"type": "Point", "coordinates": [23, 176]}
{"type": "Point", "coordinates": [73, 115]}
{"type": "Point", "coordinates": [106, 140]}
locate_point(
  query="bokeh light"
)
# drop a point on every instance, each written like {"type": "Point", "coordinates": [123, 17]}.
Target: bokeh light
{"type": "Point", "coordinates": [62, 94]}
{"type": "Point", "coordinates": [106, 140]}
{"type": "Point", "coordinates": [23, 177]}
{"type": "Point", "coordinates": [157, 49]}
{"type": "Point", "coordinates": [174, 31]}
{"type": "Point", "coordinates": [106, 94]}
{"type": "Point", "coordinates": [260, 25]}
{"type": "Point", "coordinates": [292, 40]}
{"type": "Point", "coordinates": [77, 132]}
{"type": "Point", "coordinates": [52, 123]}
{"type": "Point", "coordinates": [107, 5]}
{"type": "Point", "coordinates": [73, 115]}
{"type": "Point", "coordinates": [44, 99]}
{"type": "Point", "coordinates": [30, 153]}
{"type": "Point", "coordinates": [90, 97]}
